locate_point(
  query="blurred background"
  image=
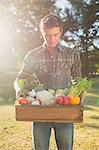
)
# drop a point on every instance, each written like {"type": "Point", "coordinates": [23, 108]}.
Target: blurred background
{"type": "Point", "coordinates": [19, 33]}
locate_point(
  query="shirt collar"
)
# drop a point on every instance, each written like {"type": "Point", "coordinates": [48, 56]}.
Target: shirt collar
{"type": "Point", "coordinates": [59, 47]}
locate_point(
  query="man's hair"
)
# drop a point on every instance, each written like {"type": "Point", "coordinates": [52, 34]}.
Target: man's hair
{"type": "Point", "coordinates": [50, 21]}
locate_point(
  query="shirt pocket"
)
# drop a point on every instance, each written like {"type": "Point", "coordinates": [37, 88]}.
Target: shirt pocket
{"type": "Point", "coordinates": [42, 73]}
{"type": "Point", "coordinates": [43, 68]}
{"type": "Point", "coordinates": [65, 68]}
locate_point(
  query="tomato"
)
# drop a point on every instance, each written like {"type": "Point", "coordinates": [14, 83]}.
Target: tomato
{"type": "Point", "coordinates": [60, 100]}
{"type": "Point", "coordinates": [66, 100]}
{"type": "Point", "coordinates": [23, 100]}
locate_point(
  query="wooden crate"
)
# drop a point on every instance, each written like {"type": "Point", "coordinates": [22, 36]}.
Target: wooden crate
{"type": "Point", "coordinates": [49, 113]}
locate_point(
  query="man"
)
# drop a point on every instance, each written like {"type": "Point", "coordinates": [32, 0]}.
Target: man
{"type": "Point", "coordinates": [54, 65]}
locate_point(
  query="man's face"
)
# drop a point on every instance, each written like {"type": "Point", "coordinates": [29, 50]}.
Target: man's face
{"type": "Point", "coordinates": [52, 36]}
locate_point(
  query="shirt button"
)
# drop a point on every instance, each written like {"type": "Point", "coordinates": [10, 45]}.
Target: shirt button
{"type": "Point", "coordinates": [40, 68]}
{"type": "Point", "coordinates": [54, 66]}
{"type": "Point", "coordinates": [65, 66]}
{"type": "Point", "coordinates": [54, 76]}
{"type": "Point", "coordinates": [51, 56]}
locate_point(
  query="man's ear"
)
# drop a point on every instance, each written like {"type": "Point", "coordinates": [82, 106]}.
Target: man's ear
{"type": "Point", "coordinates": [61, 31]}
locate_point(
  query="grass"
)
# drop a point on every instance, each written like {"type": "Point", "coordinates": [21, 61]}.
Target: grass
{"type": "Point", "coordinates": [17, 135]}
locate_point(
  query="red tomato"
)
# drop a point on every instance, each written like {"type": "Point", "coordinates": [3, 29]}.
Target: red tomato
{"type": "Point", "coordinates": [66, 100]}
{"type": "Point", "coordinates": [23, 100]}
{"type": "Point", "coordinates": [60, 100]}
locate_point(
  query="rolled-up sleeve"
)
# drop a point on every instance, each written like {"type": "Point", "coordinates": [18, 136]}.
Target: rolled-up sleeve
{"type": "Point", "coordinates": [27, 70]}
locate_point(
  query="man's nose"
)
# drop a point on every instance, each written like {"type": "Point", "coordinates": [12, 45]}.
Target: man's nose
{"type": "Point", "coordinates": [52, 38]}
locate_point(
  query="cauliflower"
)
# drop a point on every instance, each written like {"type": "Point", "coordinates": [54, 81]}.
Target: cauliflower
{"type": "Point", "coordinates": [30, 99]}
{"type": "Point", "coordinates": [46, 97]}
{"type": "Point", "coordinates": [32, 93]}
{"type": "Point", "coordinates": [35, 102]}
{"type": "Point", "coordinates": [51, 91]}
{"type": "Point", "coordinates": [59, 92]}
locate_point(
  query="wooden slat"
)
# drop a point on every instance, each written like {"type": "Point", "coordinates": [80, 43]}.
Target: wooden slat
{"type": "Point", "coordinates": [49, 113]}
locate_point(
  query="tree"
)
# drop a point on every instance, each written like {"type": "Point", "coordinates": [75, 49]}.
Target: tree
{"type": "Point", "coordinates": [80, 27]}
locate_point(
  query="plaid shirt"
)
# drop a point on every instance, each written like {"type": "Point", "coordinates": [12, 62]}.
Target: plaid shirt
{"type": "Point", "coordinates": [53, 71]}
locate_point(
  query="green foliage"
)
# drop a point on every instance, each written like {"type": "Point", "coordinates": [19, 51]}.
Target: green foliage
{"type": "Point", "coordinates": [27, 85]}
{"type": "Point", "coordinates": [82, 84]}
{"type": "Point", "coordinates": [21, 84]}
{"type": "Point", "coordinates": [80, 21]}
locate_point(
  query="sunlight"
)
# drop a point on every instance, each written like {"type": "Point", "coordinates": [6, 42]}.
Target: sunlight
{"type": "Point", "coordinates": [4, 29]}
{"type": "Point", "coordinates": [5, 38]}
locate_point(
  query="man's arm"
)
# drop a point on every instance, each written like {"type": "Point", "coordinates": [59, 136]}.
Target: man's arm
{"type": "Point", "coordinates": [27, 69]}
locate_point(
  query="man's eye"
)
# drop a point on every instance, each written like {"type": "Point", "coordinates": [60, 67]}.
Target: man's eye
{"type": "Point", "coordinates": [56, 34]}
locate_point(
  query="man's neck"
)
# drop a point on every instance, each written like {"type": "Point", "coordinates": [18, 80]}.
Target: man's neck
{"type": "Point", "coordinates": [52, 50]}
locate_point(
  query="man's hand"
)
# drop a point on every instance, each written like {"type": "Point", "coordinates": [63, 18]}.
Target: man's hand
{"type": "Point", "coordinates": [82, 96]}
{"type": "Point", "coordinates": [19, 94]}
